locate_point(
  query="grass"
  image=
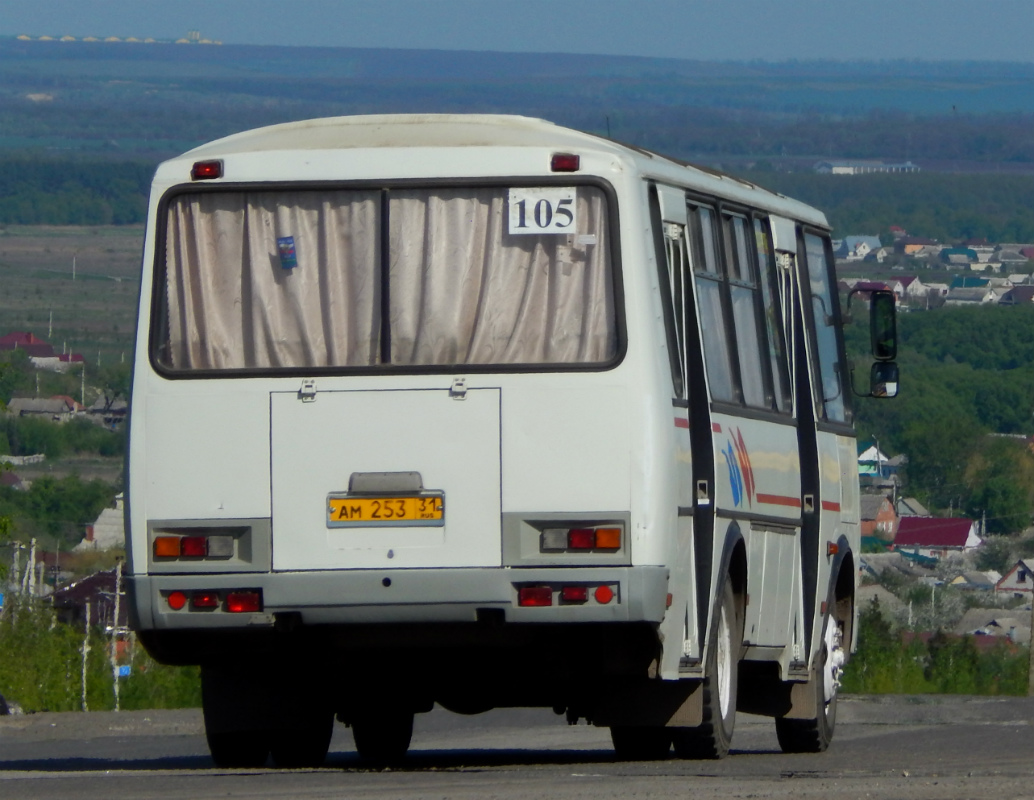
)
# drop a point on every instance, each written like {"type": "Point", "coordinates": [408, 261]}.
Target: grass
{"type": "Point", "coordinates": [95, 313]}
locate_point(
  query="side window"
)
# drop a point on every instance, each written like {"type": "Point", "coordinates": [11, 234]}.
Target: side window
{"type": "Point", "coordinates": [708, 284]}
{"type": "Point", "coordinates": [743, 290]}
{"type": "Point", "coordinates": [823, 313]}
{"type": "Point", "coordinates": [772, 305]}
{"type": "Point", "coordinates": [675, 251]}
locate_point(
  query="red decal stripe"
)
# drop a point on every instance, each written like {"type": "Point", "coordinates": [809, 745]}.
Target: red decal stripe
{"type": "Point", "coordinates": [829, 505]}
{"type": "Point", "coordinates": [717, 428]}
{"type": "Point", "coordinates": [779, 500]}
{"type": "Point", "coordinates": [681, 422]}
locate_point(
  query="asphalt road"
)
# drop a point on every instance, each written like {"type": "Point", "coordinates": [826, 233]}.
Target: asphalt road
{"type": "Point", "coordinates": [912, 748]}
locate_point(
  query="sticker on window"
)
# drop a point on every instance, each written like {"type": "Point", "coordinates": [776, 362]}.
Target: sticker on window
{"type": "Point", "coordinates": [543, 210]}
{"type": "Point", "coordinates": [288, 257]}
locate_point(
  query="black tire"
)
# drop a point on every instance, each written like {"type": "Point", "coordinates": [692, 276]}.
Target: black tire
{"type": "Point", "coordinates": [239, 749]}
{"type": "Point", "coordinates": [382, 738]}
{"type": "Point", "coordinates": [814, 735]}
{"type": "Point", "coordinates": [5, 710]}
{"type": "Point", "coordinates": [713, 737]}
{"type": "Point", "coordinates": [303, 746]}
{"type": "Point", "coordinates": [640, 743]}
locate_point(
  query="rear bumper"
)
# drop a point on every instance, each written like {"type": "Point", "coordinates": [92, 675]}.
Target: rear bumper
{"type": "Point", "coordinates": [349, 597]}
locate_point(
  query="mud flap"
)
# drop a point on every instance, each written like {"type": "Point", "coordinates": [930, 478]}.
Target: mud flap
{"type": "Point", "coordinates": [678, 704]}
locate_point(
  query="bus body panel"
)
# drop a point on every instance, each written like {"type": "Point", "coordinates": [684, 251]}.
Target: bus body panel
{"type": "Point", "coordinates": [515, 454]}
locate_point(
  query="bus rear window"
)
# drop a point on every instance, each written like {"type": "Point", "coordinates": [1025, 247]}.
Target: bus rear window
{"type": "Point", "coordinates": [344, 278]}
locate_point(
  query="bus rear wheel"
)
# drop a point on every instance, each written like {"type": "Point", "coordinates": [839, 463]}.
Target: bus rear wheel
{"type": "Point", "coordinates": [641, 743]}
{"type": "Point", "coordinates": [305, 743]}
{"type": "Point", "coordinates": [713, 737]}
{"type": "Point", "coordinates": [239, 749]}
{"type": "Point", "coordinates": [382, 737]}
{"type": "Point", "coordinates": [814, 735]}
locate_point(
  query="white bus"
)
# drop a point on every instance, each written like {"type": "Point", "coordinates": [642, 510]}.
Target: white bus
{"type": "Point", "coordinates": [486, 412]}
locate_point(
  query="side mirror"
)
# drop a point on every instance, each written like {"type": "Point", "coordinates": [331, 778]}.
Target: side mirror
{"type": "Point", "coordinates": [883, 379]}
{"type": "Point", "coordinates": [883, 327]}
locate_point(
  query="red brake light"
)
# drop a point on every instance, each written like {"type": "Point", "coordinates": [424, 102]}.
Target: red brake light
{"type": "Point", "coordinates": [243, 602]}
{"type": "Point", "coordinates": [581, 538]}
{"type": "Point", "coordinates": [535, 596]}
{"type": "Point", "coordinates": [565, 162]}
{"type": "Point", "coordinates": [205, 600]}
{"type": "Point", "coordinates": [194, 546]}
{"type": "Point", "coordinates": [206, 170]}
{"type": "Point", "coordinates": [575, 594]}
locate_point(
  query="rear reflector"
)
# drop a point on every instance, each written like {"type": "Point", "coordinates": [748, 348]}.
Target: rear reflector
{"type": "Point", "coordinates": [565, 162]}
{"type": "Point", "coordinates": [176, 600]}
{"type": "Point", "coordinates": [243, 602]}
{"type": "Point", "coordinates": [167, 547]}
{"type": "Point", "coordinates": [205, 600]}
{"type": "Point", "coordinates": [194, 546]}
{"type": "Point", "coordinates": [206, 170]}
{"type": "Point", "coordinates": [220, 546]}
{"type": "Point", "coordinates": [575, 594]}
{"type": "Point", "coordinates": [603, 594]}
{"type": "Point", "coordinates": [535, 596]}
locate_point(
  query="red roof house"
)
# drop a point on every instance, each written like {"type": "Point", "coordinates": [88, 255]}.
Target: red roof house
{"type": "Point", "coordinates": [29, 342]}
{"type": "Point", "coordinates": [936, 537]}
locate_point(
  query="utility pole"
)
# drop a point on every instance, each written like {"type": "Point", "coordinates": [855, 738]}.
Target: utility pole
{"type": "Point", "coordinates": [86, 651]}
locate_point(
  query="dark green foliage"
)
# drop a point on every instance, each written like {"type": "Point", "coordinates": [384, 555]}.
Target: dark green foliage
{"type": "Point", "coordinates": [42, 667]}
{"type": "Point", "coordinates": [886, 663]}
{"type": "Point", "coordinates": [946, 207]}
{"type": "Point", "coordinates": [56, 508]}
{"type": "Point", "coordinates": [26, 436]}
{"type": "Point", "coordinates": [966, 373]}
{"type": "Point", "coordinates": [65, 192]}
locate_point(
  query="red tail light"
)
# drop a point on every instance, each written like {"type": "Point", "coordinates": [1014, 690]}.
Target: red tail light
{"type": "Point", "coordinates": [194, 546]}
{"type": "Point", "coordinates": [575, 594]}
{"type": "Point", "coordinates": [535, 596]}
{"type": "Point", "coordinates": [603, 594]}
{"type": "Point", "coordinates": [581, 538]}
{"type": "Point", "coordinates": [204, 600]}
{"type": "Point", "coordinates": [243, 602]}
{"type": "Point", "coordinates": [565, 162]}
{"type": "Point", "coordinates": [206, 170]}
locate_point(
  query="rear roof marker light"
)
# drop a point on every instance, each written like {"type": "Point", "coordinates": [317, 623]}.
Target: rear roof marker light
{"type": "Point", "coordinates": [565, 162]}
{"type": "Point", "coordinates": [206, 170]}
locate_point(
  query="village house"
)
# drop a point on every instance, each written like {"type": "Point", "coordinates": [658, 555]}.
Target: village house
{"type": "Point", "coordinates": [878, 517]}
{"type": "Point", "coordinates": [59, 408]}
{"type": "Point", "coordinates": [1011, 625]}
{"type": "Point", "coordinates": [1017, 296]}
{"type": "Point", "coordinates": [107, 531]}
{"type": "Point", "coordinates": [1019, 580]}
{"type": "Point", "coordinates": [936, 537]}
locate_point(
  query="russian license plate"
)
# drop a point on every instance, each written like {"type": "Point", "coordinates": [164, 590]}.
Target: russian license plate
{"type": "Point", "coordinates": [351, 511]}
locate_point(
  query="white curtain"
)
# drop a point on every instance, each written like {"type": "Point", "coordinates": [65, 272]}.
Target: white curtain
{"type": "Point", "coordinates": [461, 289]}
{"type": "Point", "coordinates": [231, 305]}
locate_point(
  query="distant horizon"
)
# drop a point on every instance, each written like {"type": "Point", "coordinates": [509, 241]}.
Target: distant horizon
{"type": "Point", "coordinates": [182, 41]}
{"type": "Point", "coordinates": [772, 31]}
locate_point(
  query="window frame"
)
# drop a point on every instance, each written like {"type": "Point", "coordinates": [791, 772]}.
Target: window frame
{"type": "Point", "coordinates": [157, 319]}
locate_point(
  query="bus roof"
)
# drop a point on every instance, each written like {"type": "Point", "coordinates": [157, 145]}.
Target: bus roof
{"type": "Point", "coordinates": [485, 130]}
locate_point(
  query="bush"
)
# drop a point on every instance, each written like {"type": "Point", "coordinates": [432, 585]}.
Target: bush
{"type": "Point", "coordinates": [41, 667]}
{"type": "Point", "coordinates": [887, 664]}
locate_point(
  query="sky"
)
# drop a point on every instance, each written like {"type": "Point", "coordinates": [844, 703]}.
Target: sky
{"type": "Point", "coordinates": [735, 30]}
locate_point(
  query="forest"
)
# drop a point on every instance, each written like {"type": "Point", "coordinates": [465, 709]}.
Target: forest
{"type": "Point", "coordinates": [965, 412]}
{"type": "Point", "coordinates": [948, 207]}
